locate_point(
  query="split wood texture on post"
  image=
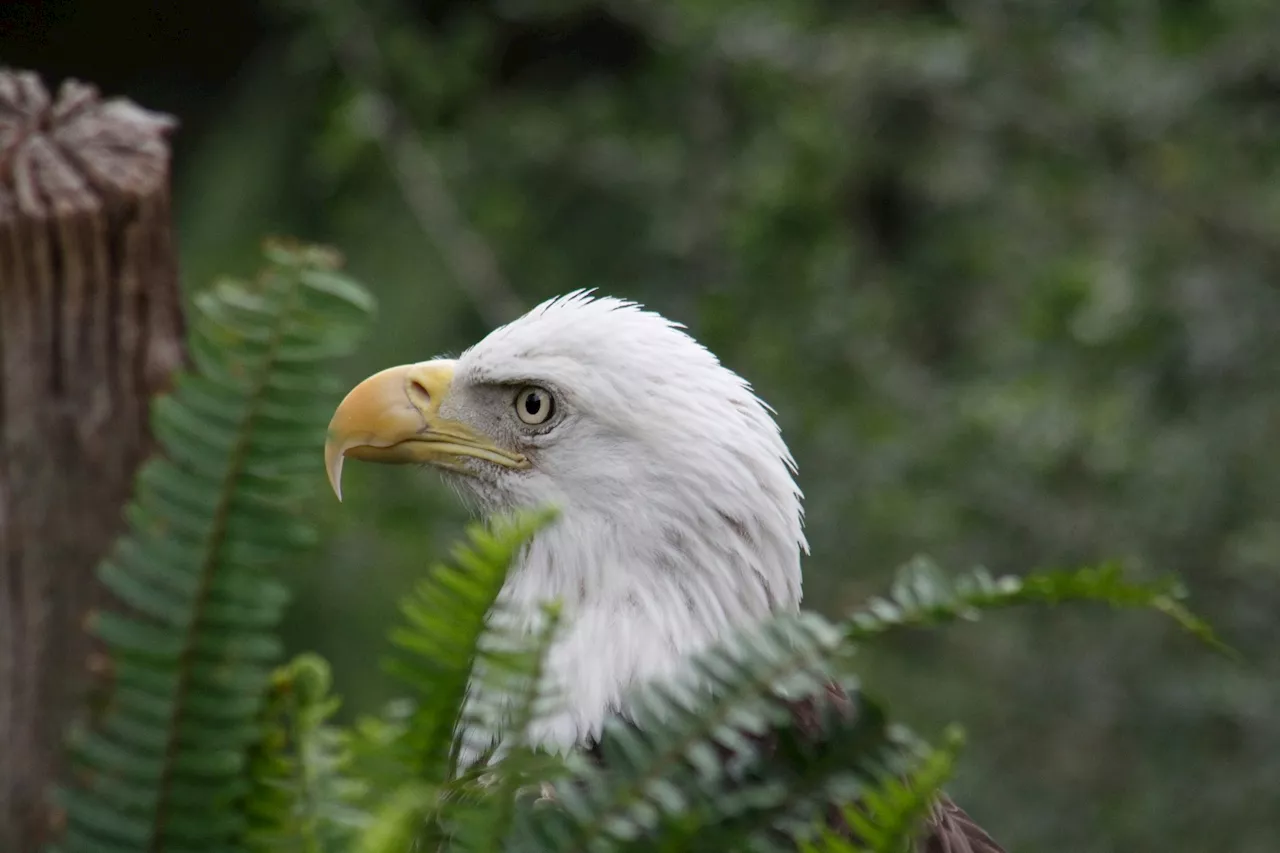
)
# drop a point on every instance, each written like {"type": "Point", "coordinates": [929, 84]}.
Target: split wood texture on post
{"type": "Point", "coordinates": [90, 329]}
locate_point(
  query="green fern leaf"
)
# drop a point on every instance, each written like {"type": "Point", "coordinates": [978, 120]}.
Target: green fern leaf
{"type": "Point", "coordinates": [801, 779]}
{"type": "Point", "coordinates": [889, 814]}
{"type": "Point", "coordinates": [446, 619]}
{"type": "Point", "coordinates": [166, 770]}
{"type": "Point", "coordinates": [674, 763]}
{"type": "Point", "coordinates": [511, 668]}
{"type": "Point", "coordinates": [398, 823]}
{"type": "Point", "coordinates": [303, 797]}
{"type": "Point", "coordinates": [923, 596]}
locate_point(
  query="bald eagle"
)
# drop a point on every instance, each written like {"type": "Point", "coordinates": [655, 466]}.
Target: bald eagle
{"type": "Point", "coordinates": [680, 518]}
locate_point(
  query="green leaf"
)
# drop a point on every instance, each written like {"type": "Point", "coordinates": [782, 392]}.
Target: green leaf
{"type": "Point", "coordinates": [922, 596]}
{"type": "Point", "coordinates": [889, 814]}
{"type": "Point", "coordinates": [165, 767]}
{"type": "Point", "coordinates": [445, 621]}
{"type": "Point", "coordinates": [683, 749]}
{"type": "Point", "coordinates": [303, 796]}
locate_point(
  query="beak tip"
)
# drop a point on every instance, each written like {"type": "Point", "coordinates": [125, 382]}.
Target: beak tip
{"type": "Point", "coordinates": [333, 467]}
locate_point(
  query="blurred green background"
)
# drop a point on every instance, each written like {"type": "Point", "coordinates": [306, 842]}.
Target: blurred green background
{"type": "Point", "coordinates": [1007, 271]}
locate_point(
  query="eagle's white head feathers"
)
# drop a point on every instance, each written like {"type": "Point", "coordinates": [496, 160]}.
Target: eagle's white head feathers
{"type": "Point", "coordinates": [680, 519]}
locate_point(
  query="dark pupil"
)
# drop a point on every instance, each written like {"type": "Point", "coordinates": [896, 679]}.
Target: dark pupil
{"type": "Point", "coordinates": [533, 403]}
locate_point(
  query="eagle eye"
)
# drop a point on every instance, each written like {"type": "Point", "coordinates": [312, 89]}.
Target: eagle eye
{"type": "Point", "coordinates": [534, 405]}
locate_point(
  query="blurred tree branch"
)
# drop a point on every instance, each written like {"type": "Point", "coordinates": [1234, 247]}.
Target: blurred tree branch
{"type": "Point", "coordinates": [469, 258]}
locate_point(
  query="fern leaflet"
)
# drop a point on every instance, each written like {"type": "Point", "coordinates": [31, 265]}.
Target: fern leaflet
{"type": "Point", "coordinates": [166, 769]}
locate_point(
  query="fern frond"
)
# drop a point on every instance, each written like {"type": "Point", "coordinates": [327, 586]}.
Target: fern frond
{"type": "Point", "coordinates": [511, 695]}
{"type": "Point", "coordinates": [683, 743]}
{"type": "Point", "coordinates": [800, 780]}
{"type": "Point", "coordinates": [239, 436]}
{"type": "Point", "coordinates": [396, 826]}
{"type": "Point", "coordinates": [889, 814]}
{"type": "Point", "coordinates": [303, 797]}
{"type": "Point", "coordinates": [446, 619]}
{"type": "Point", "coordinates": [923, 596]}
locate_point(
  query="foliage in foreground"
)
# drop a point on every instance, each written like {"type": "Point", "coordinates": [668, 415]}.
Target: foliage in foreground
{"type": "Point", "coordinates": [204, 748]}
{"type": "Point", "coordinates": [687, 774]}
{"type": "Point", "coordinates": [192, 649]}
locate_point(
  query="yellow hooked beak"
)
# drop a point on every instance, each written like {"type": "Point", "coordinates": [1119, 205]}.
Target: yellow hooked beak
{"type": "Point", "coordinates": [394, 417]}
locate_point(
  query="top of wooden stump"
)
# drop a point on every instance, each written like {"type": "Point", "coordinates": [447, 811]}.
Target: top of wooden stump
{"type": "Point", "coordinates": [76, 153]}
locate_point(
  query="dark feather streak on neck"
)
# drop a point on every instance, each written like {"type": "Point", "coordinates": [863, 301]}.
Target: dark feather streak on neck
{"type": "Point", "coordinates": [738, 526]}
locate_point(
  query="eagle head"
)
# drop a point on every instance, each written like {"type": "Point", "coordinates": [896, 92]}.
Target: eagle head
{"type": "Point", "coordinates": [679, 517]}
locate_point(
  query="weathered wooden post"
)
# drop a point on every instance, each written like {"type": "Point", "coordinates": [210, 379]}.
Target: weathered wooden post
{"type": "Point", "coordinates": [90, 329]}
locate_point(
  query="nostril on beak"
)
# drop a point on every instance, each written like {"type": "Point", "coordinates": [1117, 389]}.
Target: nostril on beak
{"type": "Point", "coordinates": [419, 391]}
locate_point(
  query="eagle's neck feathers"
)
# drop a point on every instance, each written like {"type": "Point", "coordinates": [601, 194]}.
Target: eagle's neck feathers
{"type": "Point", "coordinates": [640, 597]}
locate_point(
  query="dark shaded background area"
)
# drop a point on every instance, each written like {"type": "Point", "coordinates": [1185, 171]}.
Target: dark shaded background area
{"type": "Point", "coordinates": [185, 59]}
{"type": "Point", "coordinates": [1008, 272]}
